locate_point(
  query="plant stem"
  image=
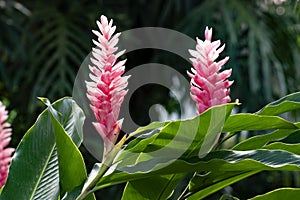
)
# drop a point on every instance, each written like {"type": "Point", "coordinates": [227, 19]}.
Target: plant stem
{"type": "Point", "coordinates": [87, 190]}
{"type": "Point", "coordinates": [104, 167]}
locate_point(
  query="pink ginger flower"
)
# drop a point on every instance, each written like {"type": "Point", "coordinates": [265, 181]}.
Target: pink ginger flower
{"type": "Point", "coordinates": [209, 87]}
{"type": "Point", "coordinates": [106, 91]}
{"type": "Point", "coordinates": [5, 153]}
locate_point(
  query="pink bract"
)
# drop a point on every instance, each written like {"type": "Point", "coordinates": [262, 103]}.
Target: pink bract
{"type": "Point", "coordinates": [5, 153]}
{"type": "Point", "coordinates": [209, 87]}
{"type": "Point", "coordinates": [106, 91]}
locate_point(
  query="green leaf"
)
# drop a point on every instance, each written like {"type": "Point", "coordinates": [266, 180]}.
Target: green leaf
{"type": "Point", "coordinates": [73, 194]}
{"type": "Point", "coordinates": [70, 116]}
{"type": "Point", "coordinates": [212, 183]}
{"type": "Point", "coordinates": [57, 48]}
{"type": "Point", "coordinates": [216, 180]}
{"type": "Point", "coordinates": [138, 160]}
{"type": "Point", "coordinates": [259, 141]}
{"type": "Point", "coordinates": [34, 172]}
{"type": "Point", "coordinates": [279, 194]}
{"type": "Point", "coordinates": [240, 122]}
{"type": "Point", "coordinates": [72, 172]}
{"type": "Point", "coordinates": [293, 138]}
{"type": "Point", "coordinates": [179, 138]}
{"type": "Point", "coordinates": [293, 148]}
{"type": "Point", "coordinates": [210, 124]}
{"type": "Point", "coordinates": [151, 126]}
{"type": "Point", "coordinates": [175, 139]}
{"type": "Point", "coordinates": [144, 131]}
{"type": "Point", "coordinates": [39, 165]}
{"type": "Point", "coordinates": [223, 161]}
{"type": "Point", "coordinates": [285, 104]}
{"type": "Point", "coordinates": [161, 187]}
{"type": "Point", "coordinates": [204, 179]}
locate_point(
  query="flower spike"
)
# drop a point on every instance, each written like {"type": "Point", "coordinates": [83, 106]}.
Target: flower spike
{"type": "Point", "coordinates": [106, 91]}
{"type": "Point", "coordinates": [5, 153]}
{"type": "Point", "coordinates": [209, 87]}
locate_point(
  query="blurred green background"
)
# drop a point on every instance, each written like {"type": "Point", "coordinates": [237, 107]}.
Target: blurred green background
{"type": "Point", "coordinates": [43, 43]}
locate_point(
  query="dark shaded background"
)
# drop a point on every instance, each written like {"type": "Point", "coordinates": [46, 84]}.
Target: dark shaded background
{"type": "Point", "coordinates": [42, 45]}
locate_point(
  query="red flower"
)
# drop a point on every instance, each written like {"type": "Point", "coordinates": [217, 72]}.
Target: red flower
{"type": "Point", "coordinates": [209, 87]}
{"type": "Point", "coordinates": [106, 91]}
{"type": "Point", "coordinates": [5, 153]}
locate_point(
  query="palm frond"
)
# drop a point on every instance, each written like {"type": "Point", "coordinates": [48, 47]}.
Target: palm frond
{"type": "Point", "coordinates": [61, 43]}
{"type": "Point", "coordinates": [12, 52]}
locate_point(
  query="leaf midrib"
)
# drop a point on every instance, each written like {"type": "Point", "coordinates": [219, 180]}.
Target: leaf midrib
{"type": "Point", "coordinates": [42, 172]}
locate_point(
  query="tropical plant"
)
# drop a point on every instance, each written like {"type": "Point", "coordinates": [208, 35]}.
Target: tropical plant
{"type": "Point", "coordinates": [48, 164]}
{"type": "Point", "coordinates": [42, 169]}
{"type": "Point", "coordinates": [43, 44]}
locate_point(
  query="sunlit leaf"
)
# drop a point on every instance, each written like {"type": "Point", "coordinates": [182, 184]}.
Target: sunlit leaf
{"type": "Point", "coordinates": [41, 164]}
{"type": "Point", "coordinates": [279, 194]}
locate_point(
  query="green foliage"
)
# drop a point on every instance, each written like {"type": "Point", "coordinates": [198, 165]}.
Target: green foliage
{"type": "Point", "coordinates": [217, 169]}
{"type": "Point", "coordinates": [282, 193]}
{"type": "Point", "coordinates": [285, 104]}
{"type": "Point", "coordinates": [47, 159]}
{"type": "Point", "coordinates": [12, 51]}
{"type": "Point", "coordinates": [59, 50]}
{"type": "Point", "coordinates": [162, 155]}
{"type": "Point", "coordinates": [42, 46]}
{"type": "Point", "coordinates": [259, 141]}
{"type": "Point", "coordinates": [214, 182]}
{"type": "Point", "coordinates": [161, 190]}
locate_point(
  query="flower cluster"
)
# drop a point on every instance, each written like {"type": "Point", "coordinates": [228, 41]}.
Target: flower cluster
{"type": "Point", "coordinates": [209, 87]}
{"type": "Point", "coordinates": [106, 91]}
{"type": "Point", "coordinates": [5, 153]}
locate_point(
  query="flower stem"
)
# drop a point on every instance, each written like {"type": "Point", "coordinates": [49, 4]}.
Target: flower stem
{"type": "Point", "coordinates": [107, 161]}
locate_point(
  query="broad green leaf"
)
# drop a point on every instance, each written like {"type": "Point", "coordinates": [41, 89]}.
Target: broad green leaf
{"type": "Point", "coordinates": [240, 122]}
{"type": "Point", "coordinates": [259, 141]}
{"type": "Point", "coordinates": [151, 126]}
{"type": "Point", "coordinates": [293, 148]}
{"type": "Point", "coordinates": [293, 138]}
{"type": "Point", "coordinates": [175, 139]}
{"type": "Point", "coordinates": [76, 191]}
{"type": "Point", "coordinates": [216, 180]}
{"type": "Point", "coordinates": [279, 194]}
{"type": "Point", "coordinates": [205, 179]}
{"type": "Point", "coordinates": [58, 46]}
{"type": "Point", "coordinates": [209, 127]}
{"type": "Point", "coordinates": [285, 104]}
{"type": "Point", "coordinates": [223, 161]}
{"type": "Point", "coordinates": [71, 118]}
{"type": "Point", "coordinates": [137, 162]}
{"type": "Point", "coordinates": [154, 187]}
{"type": "Point", "coordinates": [144, 131]}
{"type": "Point", "coordinates": [217, 185]}
{"type": "Point", "coordinates": [187, 138]}
{"type": "Point", "coordinates": [36, 169]}
{"type": "Point", "coordinates": [34, 172]}
{"type": "Point", "coordinates": [72, 172]}
{"type": "Point", "coordinates": [70, 159]}
{"type": "Point", "coordinates": [69, 115]}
